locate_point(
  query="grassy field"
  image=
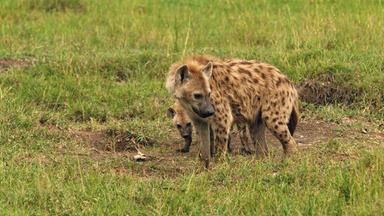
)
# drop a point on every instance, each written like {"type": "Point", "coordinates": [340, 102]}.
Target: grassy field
{"type": "Point", "coordinates": [82, 84]}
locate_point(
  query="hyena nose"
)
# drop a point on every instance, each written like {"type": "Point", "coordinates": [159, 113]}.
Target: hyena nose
{"type": "Point", "coordinates": [211, 112]}
{"type": "Point", "coordinates": [207, 113]}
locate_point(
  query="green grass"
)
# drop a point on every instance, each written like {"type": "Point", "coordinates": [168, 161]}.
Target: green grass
{"type": "Point", "coordinates": [99, 65]}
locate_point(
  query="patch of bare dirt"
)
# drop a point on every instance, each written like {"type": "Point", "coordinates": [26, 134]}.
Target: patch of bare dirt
{"type": "Point", "coordinates": [6, 64]}
{"type": "Point", "coordinates": [163, 161]}
{"type": "Point", "coordinates": [307, 133]}
{"type": "Point", "coordinates": [112, 140]}
{"type": "Point", "coordinates": [325, 89]}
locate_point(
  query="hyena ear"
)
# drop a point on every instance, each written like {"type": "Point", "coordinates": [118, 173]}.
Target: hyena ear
{"type": "Point", "coordinates": [207, 70]}
{"type": "Point", "coordinates": [182, 73]}
{"type": "Point", "coordinates": [171, 112]}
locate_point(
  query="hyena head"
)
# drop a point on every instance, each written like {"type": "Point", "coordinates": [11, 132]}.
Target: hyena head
{"type": "Point", "coordinates": [191, 88]}
{"type": "Point", "coordinates": [181, 120]}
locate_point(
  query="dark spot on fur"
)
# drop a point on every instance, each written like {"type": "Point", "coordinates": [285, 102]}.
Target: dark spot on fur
{"type": "Point", "coordinates": [274, 119]}
{"type": "Point", "coordinates": [226, 78]}
{"type": "Point", "coordinates": [279, 82]}
{"type": "Point", "coordinates": [244, 71]}
{"type": "Point", "coordinates": [276, 127]}
{"type": "Point", "coordinates": [232, 64]}
{"type": "Point", "coordinates": [255, 80]}
{"type": "Point", "coordinates": [277, 113]}
{"type": "Point", "coordinates": [263, 76]}
{"type": "Point", "coordinates": [280, 123]}
{"type": "Point", "coordinates": [246, 62]}
{"type": "Point", "coordinates": [217, 66]}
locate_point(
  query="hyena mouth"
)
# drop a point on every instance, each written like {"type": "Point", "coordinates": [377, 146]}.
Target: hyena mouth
{"type": "Point", "coordinates": [202, 114]}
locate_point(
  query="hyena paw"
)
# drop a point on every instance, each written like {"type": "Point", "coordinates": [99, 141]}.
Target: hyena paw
{"type": "Point", "coordinates": [244, 151]}
{"type": "Point", "coordinates": [182, 150]}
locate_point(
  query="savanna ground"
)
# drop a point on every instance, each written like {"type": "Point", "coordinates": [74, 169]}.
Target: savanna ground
{"type": "Point", "coordinates": [81, 87]}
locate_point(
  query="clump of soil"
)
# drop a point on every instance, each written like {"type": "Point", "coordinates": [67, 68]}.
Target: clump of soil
{"type": "Point", "coordinates": [113, 140]}
{"type": "Point", "coordinates": [325, 89]}
{"type": "Point", "coordinates": [119, 140]}
{"type": "Point", "coordinates": [5, 64]}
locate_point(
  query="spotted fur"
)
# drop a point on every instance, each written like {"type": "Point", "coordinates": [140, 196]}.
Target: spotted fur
{"type": "Point", "coordinates": [217, 93]}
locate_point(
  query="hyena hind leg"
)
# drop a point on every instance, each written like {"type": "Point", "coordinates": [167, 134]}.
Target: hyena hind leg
{"type": "Point", "coordinates": [281, 131]}
{"type": "Point", "coordinates": [245, 138]}
{"type": "Point", "coordinates": [258, 137]}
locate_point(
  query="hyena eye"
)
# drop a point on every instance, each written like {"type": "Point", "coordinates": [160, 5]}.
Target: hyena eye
{"type": "Point", "coordinates": [198, 96]}
{"type": "Point", "coordinates": [178, 126]}
{"type": "Point", "coordinates": [189, 124]}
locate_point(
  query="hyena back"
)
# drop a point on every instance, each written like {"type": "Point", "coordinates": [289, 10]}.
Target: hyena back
{"type": "Point", "coordinates": [218, 93]}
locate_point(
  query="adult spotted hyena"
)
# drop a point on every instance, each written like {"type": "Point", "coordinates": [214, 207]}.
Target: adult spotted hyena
{"type": "Point", "coordinates": [217, 93]}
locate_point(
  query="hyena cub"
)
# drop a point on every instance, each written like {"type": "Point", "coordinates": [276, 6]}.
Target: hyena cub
{"type": "Point", "coordinates": [217, 93]}
{"type": "Point", "coordinates": [183, 124]}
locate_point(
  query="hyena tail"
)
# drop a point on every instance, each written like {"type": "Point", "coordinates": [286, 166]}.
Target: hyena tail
{"type": "Point", "coordinates": [293, 119]}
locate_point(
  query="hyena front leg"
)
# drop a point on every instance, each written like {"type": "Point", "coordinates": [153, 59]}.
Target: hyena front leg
{"type": "Point", "coordinates": [212, 141]}
{"type": "Point", "coordinates": [221, 124]}
{"type": "Point", "coordinates": [221, 139]}
{"type": "Point", "coordinates": [203, 130]}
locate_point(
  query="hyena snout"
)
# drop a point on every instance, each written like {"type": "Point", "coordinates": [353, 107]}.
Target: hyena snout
{"type": "Point", "coordinates": [205, 111]}
{"type": "Point", "coordinates": [185, 134]}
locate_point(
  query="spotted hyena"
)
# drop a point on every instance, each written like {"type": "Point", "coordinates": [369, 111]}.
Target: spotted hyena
{"type": "Point", "coordinates": [184, 126]}
{"type": "Point", "coordinates": [182, 123]}
{"type": "Point", "coordinates": [217, 93]}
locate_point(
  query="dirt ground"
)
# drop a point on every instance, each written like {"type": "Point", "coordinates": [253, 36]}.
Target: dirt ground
{"type": "Point", "coordinates": [162, 160]}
